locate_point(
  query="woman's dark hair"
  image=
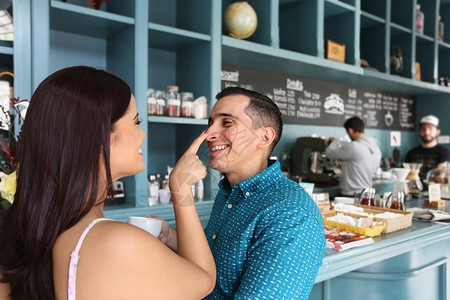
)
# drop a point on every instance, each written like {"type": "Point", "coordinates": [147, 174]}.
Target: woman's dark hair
{"type": "Point", "coordinates": [261, 110]}
{"type": "Point", "coordinates": [354, 123]}
{"type": "Point", "coordinates": [65, 139]}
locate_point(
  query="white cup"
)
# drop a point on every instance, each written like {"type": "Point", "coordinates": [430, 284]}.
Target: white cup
{"type": "Point", "coordinates": [151, 225]}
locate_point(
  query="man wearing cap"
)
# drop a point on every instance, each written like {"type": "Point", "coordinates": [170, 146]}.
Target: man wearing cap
{"type": "Point", "coordinates": [430, 154]}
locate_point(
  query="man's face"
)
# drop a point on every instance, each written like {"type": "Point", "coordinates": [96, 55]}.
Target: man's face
{"type": "Point", "coordinates": [231, 140]}
{"type": "Point", "coordinates": [428, 133]}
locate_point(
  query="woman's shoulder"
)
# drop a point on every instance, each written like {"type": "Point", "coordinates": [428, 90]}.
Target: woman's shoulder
{"type": "Point", "coordinates": [122, 237]}
{"type": "Point", "coordinates": [116, 252]}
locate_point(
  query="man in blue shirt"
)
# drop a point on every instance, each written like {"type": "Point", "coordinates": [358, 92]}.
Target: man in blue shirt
{"type": "Point", "coordinates": [265, 231]}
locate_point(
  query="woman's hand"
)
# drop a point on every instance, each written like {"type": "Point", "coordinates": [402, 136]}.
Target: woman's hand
{"type": "Point", "coordinates": [188, 171]}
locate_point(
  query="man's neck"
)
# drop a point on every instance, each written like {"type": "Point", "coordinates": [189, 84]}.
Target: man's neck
{"type": "Point", "coordinates": [431, 144]}
{"type": "Point", "coordinates": [250, 171]}
{"type": "Point", "coordinates": [358, 135]}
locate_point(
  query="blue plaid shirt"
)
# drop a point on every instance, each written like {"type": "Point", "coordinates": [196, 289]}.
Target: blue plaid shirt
{"type": "Point", "coordinates": [267, 238]}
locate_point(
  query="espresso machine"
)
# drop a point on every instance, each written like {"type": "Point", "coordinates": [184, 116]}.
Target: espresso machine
{"type": "Point", "coordinates": [309, 162]}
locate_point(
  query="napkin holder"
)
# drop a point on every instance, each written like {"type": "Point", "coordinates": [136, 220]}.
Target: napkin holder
{"type": "Point", "coordinates": [439, 204]}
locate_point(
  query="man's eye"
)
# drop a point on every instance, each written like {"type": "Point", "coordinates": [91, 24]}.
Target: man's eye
{"type": "Point", "coordinates": [138, 122]}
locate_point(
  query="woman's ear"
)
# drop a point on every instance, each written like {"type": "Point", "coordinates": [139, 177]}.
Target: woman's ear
{"type": "Point", "coordinates": [267, 136]}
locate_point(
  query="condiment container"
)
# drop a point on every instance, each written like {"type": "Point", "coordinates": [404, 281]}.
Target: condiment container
{"type": "Point", "coordinates": [368, 197]}
{"type": "Point", "coordinates": [187, 105]}
{"type": "Point", "coordinates": [160, 103]}
{"type": "Point", "coordinates": [151, 102]}
{"type": "Point", "coordinates": [173, 101]}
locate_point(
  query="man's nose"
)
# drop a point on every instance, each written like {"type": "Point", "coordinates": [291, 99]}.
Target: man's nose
{"type": "Point", "coordinates": [213, 133]}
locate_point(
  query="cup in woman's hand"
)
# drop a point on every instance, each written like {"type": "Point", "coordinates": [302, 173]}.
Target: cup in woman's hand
{"type": "Point", "coordinates": [151, 225]}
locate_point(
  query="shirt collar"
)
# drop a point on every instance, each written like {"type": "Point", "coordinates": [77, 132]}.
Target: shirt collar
{"type": "Point", "coordinates": [258, 182]}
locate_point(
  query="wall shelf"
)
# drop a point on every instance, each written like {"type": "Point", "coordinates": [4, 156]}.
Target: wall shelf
{"type": "Point", "coordinates": [75, 19]}
{"type": "Point", "coordinates": [172, 120]}
{"type": "Point", "coordinates": [6, 50]}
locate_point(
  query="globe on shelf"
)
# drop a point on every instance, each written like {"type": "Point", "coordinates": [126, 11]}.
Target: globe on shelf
{"type": "Point", "coordinates": [240, 20]}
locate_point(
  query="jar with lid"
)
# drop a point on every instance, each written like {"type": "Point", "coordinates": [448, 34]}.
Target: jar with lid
{"type": "Point", "coordinates": [173, 101]}
{"type": "Point", "coordinates": [187, 105]}
{"type": "Point", "coordinates": [160, 103]}
{"type": "Point", "coordinates": [441, 176]}
{"type": "Point", "coordinates": [151, 102]}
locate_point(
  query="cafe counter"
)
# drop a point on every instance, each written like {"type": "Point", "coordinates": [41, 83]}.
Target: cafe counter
{"type": "Point", "coordinates": [407, 264]}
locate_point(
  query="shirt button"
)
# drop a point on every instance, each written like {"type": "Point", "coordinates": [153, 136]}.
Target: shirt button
{"type": "Point", "coordinates": [247, 194]}
{"type": "Point", "coordinates": [230, 205]}
{"type": "Point", "coordinates": [214, 236]}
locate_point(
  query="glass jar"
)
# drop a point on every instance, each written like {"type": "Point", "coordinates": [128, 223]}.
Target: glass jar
{"type": "Point", "coordinates": [187, 105]}
{"type": "Point", "coordinates": [441, 176]}
{"type": "Point", "coordinates": [368, 197]}
{"type": "Point", "coordinates": [173, 101]}
{"type": "Point", "coordinates": [151, 102]}
{"type": "Point", "coordinates": [396, 200]}
{"type": "Point", "coordinates": [160, 103]}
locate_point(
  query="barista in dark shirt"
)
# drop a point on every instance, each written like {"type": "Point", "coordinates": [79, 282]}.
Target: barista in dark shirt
{"type": "Point", "coordinates": [430, 154]}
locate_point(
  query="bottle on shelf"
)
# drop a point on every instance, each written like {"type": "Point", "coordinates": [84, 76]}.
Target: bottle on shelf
{"type": "Point", "coordinates": [199, 191]}
{"type": "Point", "coordinates": [153, 191]}
{"type": "Point", "coordinates": [173, 101]}
{"type": "Point", "coordinates": [164, 192]}
{"type": "Point", "coordinates": [420, 19]}
{"type": "Point", "coordinates": [187, 105]}
{"type": "Point", "coordinates": [151, 102]}
{"type": "Point", "coordinates": [160, 103]}
{"type": "Point", "coordinates": [441, 30]}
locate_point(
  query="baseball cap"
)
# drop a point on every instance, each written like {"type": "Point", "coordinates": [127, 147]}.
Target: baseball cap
{"type": "Point", "coordinates": [430, 119]}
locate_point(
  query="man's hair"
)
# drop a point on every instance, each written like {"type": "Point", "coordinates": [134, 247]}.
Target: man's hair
{"type": "Point", "coordinates": [354, 123]}
{"type": "Point", "coordinates": [261, 110]}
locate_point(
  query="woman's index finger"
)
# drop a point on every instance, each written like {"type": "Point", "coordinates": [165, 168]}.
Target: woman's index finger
{"type": "Point", "coordinates": [193, 148]}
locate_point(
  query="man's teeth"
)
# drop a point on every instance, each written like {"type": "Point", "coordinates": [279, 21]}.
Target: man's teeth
{"type": "Point", "coordinates": [140, 151]}
{"type": "Point", "coordinates": [215, 148]}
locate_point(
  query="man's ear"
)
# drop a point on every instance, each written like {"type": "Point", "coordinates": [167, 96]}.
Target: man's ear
{"type": "Point", "coordinates": [266, 137]}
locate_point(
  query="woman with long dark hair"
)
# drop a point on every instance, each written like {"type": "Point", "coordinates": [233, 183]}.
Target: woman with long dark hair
{"type": "Point", "coordinates": [81, 134]}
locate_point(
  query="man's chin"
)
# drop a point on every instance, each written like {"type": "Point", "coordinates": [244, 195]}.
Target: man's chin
{"type": "Point", "coordinates": [214, 165]}
{"type": "Point", "coordinates": [427, 141]}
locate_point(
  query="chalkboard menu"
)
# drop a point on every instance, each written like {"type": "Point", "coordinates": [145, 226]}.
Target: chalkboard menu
{"type": "Point", "coordinates": [317, 102]}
